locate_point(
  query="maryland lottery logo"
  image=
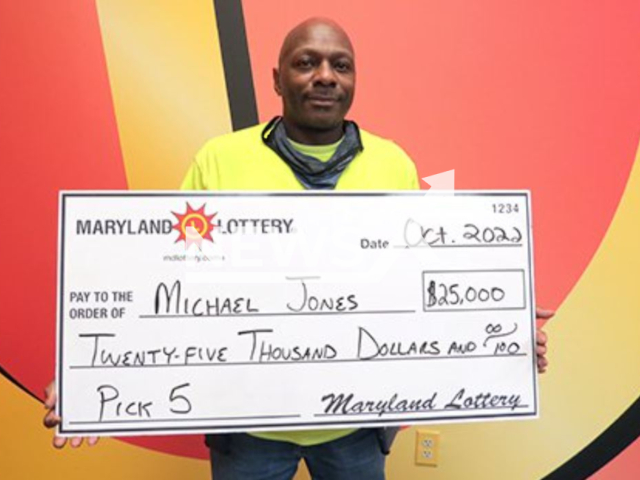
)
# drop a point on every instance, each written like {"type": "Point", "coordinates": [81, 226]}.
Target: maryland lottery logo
{"type": "Point", "coordinates": [194, 226]}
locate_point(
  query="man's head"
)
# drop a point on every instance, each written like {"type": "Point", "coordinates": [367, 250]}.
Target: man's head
{"type": "Point", "coordinates": [315, 77]}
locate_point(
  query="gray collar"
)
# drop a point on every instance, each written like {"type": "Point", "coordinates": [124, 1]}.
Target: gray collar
{"type": "Point", "coordinates": [311, 172]}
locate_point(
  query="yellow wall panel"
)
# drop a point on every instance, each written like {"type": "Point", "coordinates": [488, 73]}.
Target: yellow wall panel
{"type": "Point", "coordinates": [168, 85]}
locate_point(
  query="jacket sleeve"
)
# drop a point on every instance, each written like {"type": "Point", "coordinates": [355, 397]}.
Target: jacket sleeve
{"type": "Point", "coordinates": [408, 179]}
{"type": "Point", "coordinates": [203, 172]}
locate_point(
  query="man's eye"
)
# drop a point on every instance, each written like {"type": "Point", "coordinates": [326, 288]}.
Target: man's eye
{"type": "Point", "coordinates": [304, 63]}
{"type": "Point", "coordinates": [343, 67]}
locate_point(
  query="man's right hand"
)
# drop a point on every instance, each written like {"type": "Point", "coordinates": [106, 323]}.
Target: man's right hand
{"type": "Point", "coordinates": [51, 420]}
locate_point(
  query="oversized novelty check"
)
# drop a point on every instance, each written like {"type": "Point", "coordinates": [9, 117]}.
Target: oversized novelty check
{"type": "Point", "coordinates": [222, 312]}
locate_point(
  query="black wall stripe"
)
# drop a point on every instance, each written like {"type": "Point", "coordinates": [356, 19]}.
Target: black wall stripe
{"type": "Point", "coordinates": [237, 66]}
{"type": "Point", "coordinates": [603, 449]}
{"type": "Point", "coordinates": [6, 374]}
{"type": "Point", "coordinates": [242, 103]}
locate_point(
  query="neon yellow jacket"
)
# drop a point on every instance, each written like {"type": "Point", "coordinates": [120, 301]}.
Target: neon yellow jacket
{"type": "Point", "coordinates": [241, 161]}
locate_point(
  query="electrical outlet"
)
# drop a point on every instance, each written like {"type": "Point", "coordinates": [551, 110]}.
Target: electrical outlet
{"type": "Point", "coordinates": [427, 447]}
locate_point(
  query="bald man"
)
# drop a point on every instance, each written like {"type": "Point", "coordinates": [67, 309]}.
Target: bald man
{"type": "Point", "coordinates": [316, 80]}
{"type": "Point", "coordinates": [311, 146]}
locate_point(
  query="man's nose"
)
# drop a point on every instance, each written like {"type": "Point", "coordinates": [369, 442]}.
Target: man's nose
{"type": "Point", "coordinates": [325, 74]}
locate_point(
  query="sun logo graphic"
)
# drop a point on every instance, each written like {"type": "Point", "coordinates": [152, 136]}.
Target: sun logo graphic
{"type": "Point", "coordinates": [194, 226]}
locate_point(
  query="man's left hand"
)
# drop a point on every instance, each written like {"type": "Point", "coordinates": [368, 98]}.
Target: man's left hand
{"type": "Point", "coordinates": [541, 339]}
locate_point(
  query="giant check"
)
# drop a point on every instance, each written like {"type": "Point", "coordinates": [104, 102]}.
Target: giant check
{"type": "Point", "coordinates": [222, 312]}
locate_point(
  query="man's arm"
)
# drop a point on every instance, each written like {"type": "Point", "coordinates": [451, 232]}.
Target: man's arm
{"type": "Point", "coordinates": [203, 173]}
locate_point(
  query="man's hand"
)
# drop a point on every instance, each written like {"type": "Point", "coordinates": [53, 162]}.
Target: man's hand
{"type": "Point", "coordinates": [51, 420]}
{"type": "Point", "coordinates": [541, 339]}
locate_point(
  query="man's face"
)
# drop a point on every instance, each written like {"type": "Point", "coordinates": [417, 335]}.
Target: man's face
{"type": "Point", "coordinates": [316, 77]}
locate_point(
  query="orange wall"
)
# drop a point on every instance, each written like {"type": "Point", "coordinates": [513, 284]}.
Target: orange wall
{"type": "Point", "coordinates": [542, 96]}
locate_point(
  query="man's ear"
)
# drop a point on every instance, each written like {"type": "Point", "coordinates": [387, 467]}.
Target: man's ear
{"type": "Point", "coordinates": [276, 82]}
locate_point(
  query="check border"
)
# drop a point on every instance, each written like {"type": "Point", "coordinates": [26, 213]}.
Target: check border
{"type": "Point", "coordinates": [64, 195]}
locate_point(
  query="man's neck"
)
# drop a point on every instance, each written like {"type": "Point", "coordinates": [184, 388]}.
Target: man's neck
{"type": "Point", "coordinates": [309, 136]}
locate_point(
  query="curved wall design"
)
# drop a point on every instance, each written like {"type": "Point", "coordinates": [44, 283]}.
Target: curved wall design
{"type": "Point", "coordinates": [117, 95]}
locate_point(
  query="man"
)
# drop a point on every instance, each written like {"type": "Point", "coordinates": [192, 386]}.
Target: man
{"type": "Point", "coordinates": [311, 146]}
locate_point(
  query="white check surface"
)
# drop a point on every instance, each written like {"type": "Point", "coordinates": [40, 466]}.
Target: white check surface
{"type": "Point", "coordinates": [301, 311]}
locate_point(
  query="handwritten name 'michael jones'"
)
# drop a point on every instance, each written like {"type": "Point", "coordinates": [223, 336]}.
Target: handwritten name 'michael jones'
{"type": "Point", "coordinates": [170, 300]}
